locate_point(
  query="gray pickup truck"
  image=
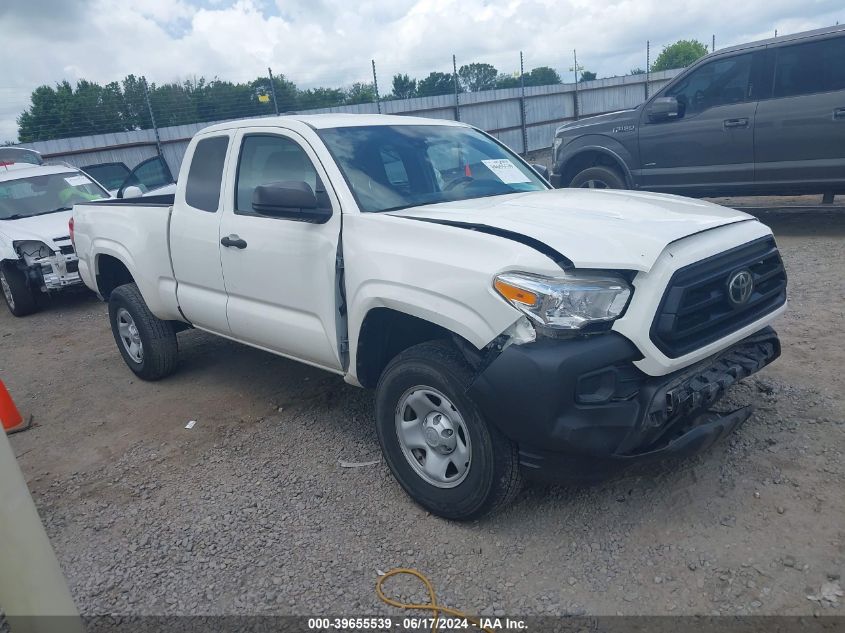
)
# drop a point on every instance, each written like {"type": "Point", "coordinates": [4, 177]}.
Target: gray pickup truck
{"type": "Point", "coordinates": [765, 118]}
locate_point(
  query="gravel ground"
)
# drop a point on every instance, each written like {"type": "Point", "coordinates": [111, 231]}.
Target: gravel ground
{"type": "Point", "coordinates": [250, 512]}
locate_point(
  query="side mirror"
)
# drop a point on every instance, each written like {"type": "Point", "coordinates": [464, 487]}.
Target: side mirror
{"type": "Point", "coordinates": [663, 109]}
{"type": "Point", "coordinates": [131, 192]}
{"type": "Point", "coordinates": [294, 200]}
{"type": "Point", "coordinates": [542, 170]}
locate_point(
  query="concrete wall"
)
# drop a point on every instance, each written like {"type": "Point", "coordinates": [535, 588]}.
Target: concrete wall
{"type": "Point", "coordinates": [498, 112]}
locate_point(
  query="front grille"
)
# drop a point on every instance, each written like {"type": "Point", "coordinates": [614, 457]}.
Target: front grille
{"type": "Point", "coordinates": [696, 310]}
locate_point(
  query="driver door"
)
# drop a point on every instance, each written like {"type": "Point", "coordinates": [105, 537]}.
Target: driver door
{"type": "Point", "coordinates": [710, 145]}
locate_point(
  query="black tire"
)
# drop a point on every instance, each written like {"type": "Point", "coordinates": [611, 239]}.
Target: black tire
{"type": "Point", "coordinates": [601, 177]}
{"type": "Point", "coordinates": [493, 477]}
{"type": "Point", "coordinates": [159, 348]}
{"type": "Point", "coordinates": [22, 300]}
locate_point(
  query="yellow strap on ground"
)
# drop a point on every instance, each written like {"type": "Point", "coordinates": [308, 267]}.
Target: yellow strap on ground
{"type": "Point", "coordinates": [432, 606]}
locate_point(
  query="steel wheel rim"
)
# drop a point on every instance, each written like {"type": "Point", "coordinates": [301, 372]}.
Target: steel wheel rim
{"type": "Point", "coordinates": [7, 290]}
{"type": "Point", "coordinates": [129, 335]}
{"type": "Point", "coordinates": [433, 437]}
{"type": "Point", "coordinates": [594, 184]}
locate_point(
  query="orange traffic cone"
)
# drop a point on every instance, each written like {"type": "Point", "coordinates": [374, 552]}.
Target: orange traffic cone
{"type": "Point", "coordinates": [9, 414]}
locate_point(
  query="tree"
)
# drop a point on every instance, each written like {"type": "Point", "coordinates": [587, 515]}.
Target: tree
{"type": "Point", "coordinates": [637, 71]}
{"type": "Point", "coordinates": [542, 76]}
{"type": "Point", "coordinates": [587, 75]}
{"type": "Point", "coordinates": [404, 87]}
{"type": "Point", "coordinates": [436, 84]}
{"type": "Point", "coordinates": [475, 77]}
{"type": "Point", "coordinates": [508, 81]}
{"type": "Point", "coordinates": [360, 93]}
{"type": "Point", "coordinates": [679, 55]}
{"type": "Point", "coordinates": [320, 98]}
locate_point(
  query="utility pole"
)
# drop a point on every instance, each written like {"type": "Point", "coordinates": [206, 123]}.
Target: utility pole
{"type": "Point", "coordinates": [522, 105]}
{"type": "Point", "coordinates": [152, 116]}
{"type": "Point", "coordinates": [273, 90]}
{"type": "Point", "coordinates": [713, 44]}
{"type": "Point", "coordinates": [457, 98]}
{"type": "Point", "coordinates": [375, 87]}
{"type": "Point", "coordinates": [576, 69]}
{"type": "Point", "coordinates": [647, 66]}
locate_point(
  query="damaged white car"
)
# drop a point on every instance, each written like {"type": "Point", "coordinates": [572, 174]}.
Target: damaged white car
{"type": "Point", "coordinates": [36, 254]}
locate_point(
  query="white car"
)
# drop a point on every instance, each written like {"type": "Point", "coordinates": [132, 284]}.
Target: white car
{"type": "Point", "coordinates": [507, 328]}
{"type": "Point", "coordinates": [36, 254]}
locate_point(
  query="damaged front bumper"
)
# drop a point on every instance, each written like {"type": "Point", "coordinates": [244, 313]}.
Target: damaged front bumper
{"type": "Point", "coordinates": [53, 271]}
{"type": "Point", "coordinates": [580, 408]}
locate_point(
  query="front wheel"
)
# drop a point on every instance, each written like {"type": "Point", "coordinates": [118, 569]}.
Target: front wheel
{"type": "Point", "coordinates": [599, 177]}
{"type": "Point", "coordinates": [147, 344]}
{"type": "Point", "coordinates": [435, 440]}
{"type": "Point", "coordinates": [16, 292]}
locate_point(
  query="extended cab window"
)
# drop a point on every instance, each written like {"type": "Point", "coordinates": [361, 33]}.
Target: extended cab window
{"type": "Point", "coordinates": [813, 67]}
{"type": "Point", "coordinates": [202, 191]}
{"type": "Point", "coordinates": [268, 158]}
{"type": "Point", "coordinates": [720, 82]}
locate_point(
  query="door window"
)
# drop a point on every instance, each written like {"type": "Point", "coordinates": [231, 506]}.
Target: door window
{"type": "Point", "coordinates": [202, 191]}
{"type": "Point", "coordinates": [808, 68]}
{"type": "Point", "coordinates": [265, 159]}
{"type": "Point", "coordinates": [148, 175]}
{"type": "Point", "coordinates": [720, 82]}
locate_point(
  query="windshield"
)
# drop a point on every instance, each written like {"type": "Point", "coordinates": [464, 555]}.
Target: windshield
{"type": "Point", "coordinates": [37, 195]}
{"type": "Point", "coordinates": [20, 155]}
{"type": "Point", "coordinates": [393, 167]}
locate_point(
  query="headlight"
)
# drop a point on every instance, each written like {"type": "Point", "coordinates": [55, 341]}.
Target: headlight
{"type": "Point", "coordinates": [565, 303]}
{"type": "Point", "coordinates": [32, 249]}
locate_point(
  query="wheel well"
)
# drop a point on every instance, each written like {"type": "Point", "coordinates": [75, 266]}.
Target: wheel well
{"type": "Point", "coordinates": [590, 158]}
{"type": "Point", "coordinates": [384, 334]}
{"type": "Point", "coordinates": [111, 273]}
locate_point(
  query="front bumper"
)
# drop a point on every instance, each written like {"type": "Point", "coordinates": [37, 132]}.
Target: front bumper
{"type": "Point", "coordinates": [580, 408]}
{"type": "Point", "coordinates": [52, 273]}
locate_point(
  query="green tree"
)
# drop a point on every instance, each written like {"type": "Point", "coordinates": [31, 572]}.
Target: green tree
{"type": "Point", "coordinates": [477, 76]}
{"type": "Point", "coordinates": [435, 84]}
{"type": "Point", "coordinates": [320, 98]}
{"type": "Point", "coordinates": [404, 87]}
{"type": "Point", "coordinates": [508, 81]}
{"type": "Point", "coordinates": [637, 71]}
{"type": "Point", "coordinates": [360, 93]}
{"type": "Point", "coordinates": [542, 76]}
{"type": "Point", "coordinates": [587, 75]}
{"type": "Point", "coordinates": [679, 55]}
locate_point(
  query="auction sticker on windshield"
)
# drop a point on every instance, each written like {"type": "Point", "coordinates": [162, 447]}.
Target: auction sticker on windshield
{"type": "Point", "coordinates": [76, 181]}
{"type": "Point", "coordinates": [506, 171]}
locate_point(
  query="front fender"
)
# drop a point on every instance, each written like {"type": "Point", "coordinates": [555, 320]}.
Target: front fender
{"type": "Point", "coordinates": [6, 250]}
{"type": "Point", "coordinates": [601, 144]}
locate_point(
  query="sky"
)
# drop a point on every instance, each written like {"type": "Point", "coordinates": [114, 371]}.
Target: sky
{"type": "Point", "coordinates": [332, 42]}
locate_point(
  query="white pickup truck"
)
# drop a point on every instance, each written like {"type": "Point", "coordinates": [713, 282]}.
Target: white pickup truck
{"type": "Point", "coordinates": [507, 328]}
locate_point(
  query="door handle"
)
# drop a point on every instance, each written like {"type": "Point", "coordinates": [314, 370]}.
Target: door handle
{"type": "Point", "coordinates": [736, 122]}
{"type": "Point", "coordinates": [233, 241]}
{"type": "Point", "coordinates": [839, 113]}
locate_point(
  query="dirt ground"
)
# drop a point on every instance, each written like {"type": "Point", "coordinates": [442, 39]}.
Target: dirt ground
{"type": "Point", "coordinates": [250, 512]}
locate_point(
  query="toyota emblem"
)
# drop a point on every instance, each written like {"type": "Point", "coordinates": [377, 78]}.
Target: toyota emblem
{"type": "Point", "coordinates": [740, 287]}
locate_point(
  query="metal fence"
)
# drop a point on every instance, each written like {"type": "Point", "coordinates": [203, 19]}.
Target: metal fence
{"type": "Point", "coordinates": [523, 118]}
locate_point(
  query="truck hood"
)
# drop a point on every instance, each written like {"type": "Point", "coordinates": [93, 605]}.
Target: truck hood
{"type": "Point", "coordinates": [42, 228]}
{"type": "Point", "coordinates": [591, 228]}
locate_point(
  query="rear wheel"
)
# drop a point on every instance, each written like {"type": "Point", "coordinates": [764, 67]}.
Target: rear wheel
{"type": "Point", "coordinates": [147, 344]}
{"type": "Point", "coordinates": [599, 177]}
{"type": "Point", "coordinates": [435, 439]}
{"type": "Point", "coordinates": [16, 292]}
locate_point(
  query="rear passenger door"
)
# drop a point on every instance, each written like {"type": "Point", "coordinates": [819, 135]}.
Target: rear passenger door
{"type": "Point", "coordinates": [195, 236]}
{"type": "Point", "coordinates": [800, 132]}
{"type": "Point", "coordinates": [281, 274]}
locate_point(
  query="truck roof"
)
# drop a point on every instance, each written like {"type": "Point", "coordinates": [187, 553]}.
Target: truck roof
{"type": "Point", "coordinates": [780, 39]}
{"type": "Point", "coordinates": [16, 171]}
{"type": "Point", "coordinates": [330, 120]}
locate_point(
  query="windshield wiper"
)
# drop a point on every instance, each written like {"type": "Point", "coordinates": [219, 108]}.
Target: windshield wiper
{"type": "Point", "coordinates": [16, 216]}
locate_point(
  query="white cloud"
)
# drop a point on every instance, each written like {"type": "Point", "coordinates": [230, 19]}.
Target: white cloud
{"type": "Point", "coordinates": [331, 42]}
